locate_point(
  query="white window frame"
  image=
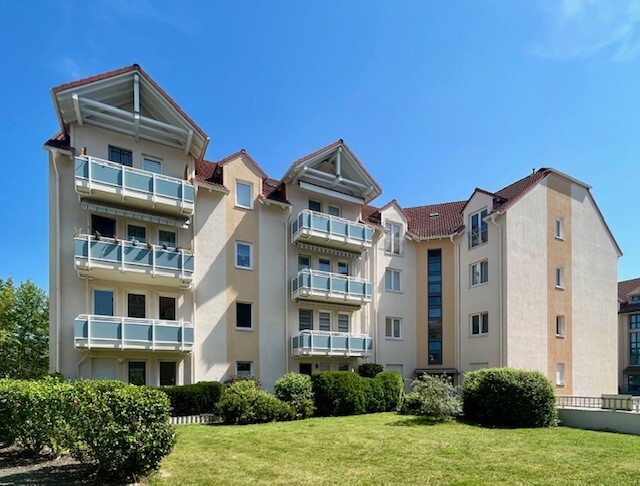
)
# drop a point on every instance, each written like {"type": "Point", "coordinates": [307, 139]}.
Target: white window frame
{"type": "Point", "coordinates": [250, 363]}
{"type": "Point", "coordinates": [473, 243]}
{"type": "Point", "coordinates": [480, 319]}
{"type": "Point", "coordinates": [250, 186]}
{"type": "Point", "coordinates": [558, 229]}
{"type": "Point", "coordinates": [395, 325]}
{"type": "Point", "coordinates": [390, 246]}
{"type": "Point", "coordinates": [250, 245]}
{"type": "Point", "coordinates": [238, 328]}
{"type": "Point", "coordinates": [560, 374]}
{"type": "Point", "coordinates": [478, 265]}
{"type": "Point", "coordinates": [330, 207]}
{"type": "Point", "coordinates": [147, 380]}
{"type": "Point", "coordinates": [561, 328]}
{"type": "Point", "coordinates": [152, 159]}
{"type": "Point", "coordinates": [392, 271]}
{"type": "Point", "coordinates": [559, 277]}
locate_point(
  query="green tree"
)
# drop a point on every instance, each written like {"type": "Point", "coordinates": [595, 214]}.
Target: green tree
{"type": "Point", "coordinates": [24, 330]}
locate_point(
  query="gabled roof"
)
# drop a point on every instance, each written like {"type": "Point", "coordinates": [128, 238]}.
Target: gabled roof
{"type": "Point", "coordinates": [513, 192]}
{"type": "Point", "coordinates": [60, 140]}
{"type": "Point", "coordinates": [243, 153]}
{"type": "Point", "coordinates": [210, 173]}
{"type": "Point", "coordinates": [435, 220]}
{"type": "Point", "coordinates": [395, 203]}
{"type": "Point", "coordinates": [627, 288]}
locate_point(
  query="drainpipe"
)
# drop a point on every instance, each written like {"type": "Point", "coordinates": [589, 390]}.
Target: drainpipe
{"type": "Point", "coordinates": [501, 301]}
{"type": "Point", "coordinates": [287, 287]}
{"type": "Point", "coordinates": [456, 302]}
{"type": "Point", "coordinates": [194, 289]}
{"type": "Point", "coordinates": [55, 155]}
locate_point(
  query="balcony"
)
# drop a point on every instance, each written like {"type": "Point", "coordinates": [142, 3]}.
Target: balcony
{"type": "Point", "coordinates": [115, 183]}
{"type": "Point", "coordinates": [109, 259]}
{"type": "Point", "coordinates": [328, 343]}
{"type": "Point", "coordinates": [107, 332]}
{"type": "Point", "coordinates": [332, 231]}
{"type": "Point", "coordinates": [330, 287]}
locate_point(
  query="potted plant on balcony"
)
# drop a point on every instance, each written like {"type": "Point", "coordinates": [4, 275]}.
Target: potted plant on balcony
{"type": "Point", "coordinates": [149, 245]}
{"type": "Point", "coordinates": [134, 242]}
{"type": "Point", "coordinates": [164, 245]}
{"type": "Point", "coordinates": [97, 235]}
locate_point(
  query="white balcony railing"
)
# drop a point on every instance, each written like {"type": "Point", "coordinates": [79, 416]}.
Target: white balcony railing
{"type": "Point", "coordinates": [108, 332]}
{"type": "Point", "coordinates": [333, 231]}
{"type": "Point", "coordinates": [330, 343]}
{"type": "Point", "coordinates": [330, 287]}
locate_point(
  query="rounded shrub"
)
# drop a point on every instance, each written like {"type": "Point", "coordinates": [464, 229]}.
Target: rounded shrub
{"type": "Point", "coordinates": [374, 394]}
{"type": "Point", "coordinates": [393, 387]}
{"type": "Point", "coordinates": [432, 397]}
{"type": "Point", "coordinates": [509, 397]}
{"type": "Point", "coordinates": [233, 378]}
{"type": "Point", "coordinates": [202, 397]}
{"type": "Point", "coordinates": [369, 370]}
{"type": "Point", "coordinates": [296, 390]}
{"type": "Point", "coordinates": [243, 403]}
{"type": "Point", "coordinates": [338, 393]}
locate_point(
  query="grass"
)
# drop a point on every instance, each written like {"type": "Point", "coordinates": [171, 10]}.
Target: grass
{"type": "Point", "coordinates": [387, 448]}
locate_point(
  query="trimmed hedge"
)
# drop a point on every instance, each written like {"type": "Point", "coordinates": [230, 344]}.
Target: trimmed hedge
{"type": "Point", "coordinates": [296, 390]}
{"type": "Point", "coordinates": [374, 393]}
{"type": "Point", "coordinates": [369, 370]}
{"type": "Point", "coordinates": [202, 397]}
{"type": "Point", "coordinates": [393, 387]}
{"type": "Point", "coordinates": [509, 397]}
{"type": "Point", "coordinates": [244, 403]}
{"type": "Point", "coordinates": [338, 393]}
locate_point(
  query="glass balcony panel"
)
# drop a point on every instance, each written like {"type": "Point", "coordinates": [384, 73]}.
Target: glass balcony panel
{"type": "Point", "coordinates": [332, 231]}
{"type": "Point", "coordinates": [330, 287]}
{"type": "Point", "coordinates": [340, 342]}
{"type": "Point", "coordinates": [330, 343]}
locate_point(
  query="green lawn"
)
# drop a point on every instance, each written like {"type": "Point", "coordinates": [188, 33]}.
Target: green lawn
{"type": "Point", "coordinates": [389, 448]}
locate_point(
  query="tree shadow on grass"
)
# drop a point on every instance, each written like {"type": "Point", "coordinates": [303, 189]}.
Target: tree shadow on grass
{"type": "Point", "coordinates": [412, 421]}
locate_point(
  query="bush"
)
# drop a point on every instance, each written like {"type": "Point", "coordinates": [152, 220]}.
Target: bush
{"type": "Point", "coordinates": [295, 389]}
{"type": "Point", "coordinates": [124, 428]}
{"type": "Point", "coordinates": [369, 370]}
{"type": "Point", "coordinates": [194, 399]}
{"type": "Point", "coordinates": [393, 387]}
{"type": "Point", "coordinates": [243, 403]}
{"type": "Point", "coordinates": [233, 378]}
{"type": "Point", "coordinates": [509, 397]}
{"type": "Point", "coordinates": [338, 393]}
{"type": "Point", "coordinates": [374, 395]}
{"type": "Point", "coordinates": [432, 397]}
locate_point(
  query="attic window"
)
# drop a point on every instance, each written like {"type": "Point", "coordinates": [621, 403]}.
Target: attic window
{"type": "Point", "coordinates": [634, 299]}
{"type": "Point", "coordinates": [434, 214]}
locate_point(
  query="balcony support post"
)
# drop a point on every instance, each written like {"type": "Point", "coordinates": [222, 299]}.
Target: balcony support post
{"type": "Point", "coordinates": [122, 333]}
{"type": "Point", "coordinates": [89, 332]}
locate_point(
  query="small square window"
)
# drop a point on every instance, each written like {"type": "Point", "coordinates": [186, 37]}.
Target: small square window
{"type": "Point", "coordinates": [392, 328]}
{"type": "Point", "coordinates": [559, 229]}
{"type": "Point", "coordinates": [152, 165]}
{"type": "Point", "coordinates": [392, 280]}
{"type": "Point", "coordinates": [243, 368]}
{"type": "Point", "coordinates": [244, 197]}
{"type": "Point", "coordinates": [480, 324]}
{"type": "Point", "coordinates": [244, 255]}
{"type": "Point", "coordinates": [560, 326]}
{"type": "Point", "coordinates": [243, 315]}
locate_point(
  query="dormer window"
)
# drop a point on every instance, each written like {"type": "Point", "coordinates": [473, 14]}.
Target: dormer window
{"type": "Point", "coordinates": [634, 299]}
{"type": "Point", "coordinates": [478, 229]}
{"type": "Point", "coordinates": [393, 242]}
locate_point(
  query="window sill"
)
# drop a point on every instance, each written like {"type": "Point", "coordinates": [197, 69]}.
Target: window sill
{"type": "Point", "coordinates": [559, 287]}
{"type": "Point", "coordinates": [244, 329]}
{"type": "Point", "coordinates": [481, 284]}
{"type": "Point", "coordinates": [389, 338]}
{"type": "Point", "coordinates": [244, 268]}
{"type": "Point", "coordinates": [474, 336]}
{"type": "Point", "coordinates": [478, 245]}
{"type": "Point", "coordinates": [559, 385]}
{"type": "Point", "coordinates": [394, 291]}
{"type": "Point", "coordinates": [559, 336]}
{"type": "Point", "coordinates": [559, 238]}
{"type": "Point", "coordinates": [246, 208]}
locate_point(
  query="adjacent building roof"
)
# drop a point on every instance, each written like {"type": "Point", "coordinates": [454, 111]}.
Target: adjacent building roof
{"type": "Point", "coordinates": [436, 220]}
{"type": "Point", "coordinates": [627, 288]}
{"type": "Point", "coordinates": [210, 173]}
{"type": "Point", "coordinates": [60, 140]}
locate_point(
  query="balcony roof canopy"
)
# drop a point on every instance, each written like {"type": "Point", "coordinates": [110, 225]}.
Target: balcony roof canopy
{"type": "Point", "coordinates": [128, 101]}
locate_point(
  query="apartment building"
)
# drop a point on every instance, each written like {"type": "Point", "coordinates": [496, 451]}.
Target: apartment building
{"type": "Point", "coordinates": [629, 336]}
{"type": "Point", "coordinates": [166, 268]}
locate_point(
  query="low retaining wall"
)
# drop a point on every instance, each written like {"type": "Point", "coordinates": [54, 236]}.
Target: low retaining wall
{"type": "Point", "coordinates": [593, 419]}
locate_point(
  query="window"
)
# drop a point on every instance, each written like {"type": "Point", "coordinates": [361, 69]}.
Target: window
{"type": "Point", "coordinates": [243, 368]}
{"type": "Point", "coordinates": [343, 366]}
{"type": "Point", "coordinates": [136, 306]}
{"type": "Point", "coordinates": [304, 262]}
{"type": "Point", "coordinates": [305, 369]}
{"type": "Point", "coordinates": [324, 319]}
{"type": "Point", "coordinates": [243, 315]}
{"type": "Point", "coordinates": [120, 156]}
{"type": "Point", "coordinates": [137, 233]}
{"type": "Point", "coordinates": [167, 308]}
{"type": "Point", "coordinates": [479, 273]}
{"type": "Point", "coordinates": [315, 205]}
{"type": "Point", "coordinates": [343, 268]}
{"type": "Point", "coordinates": [559, 278]}
{"type": "Point", "coordinates": [634, 321]}
{"type": "Point", "coordinates": [392, 328]}
{"type": "Point", "coordinates": [434, 334]}
{"type": "Point", "coordinates": [244, 198]}
{"type": "Point", "coordinates": [479, 232]}
{"type": "Point", "coordinates": [103, 369]}
{"type": "Point", "coordinates": [479, 324]}
{"type": "Point", "coordinates": [334, 211]}
{"type": "Point", "coordinates": [633, 384]}
{"type": "Point", "coordinates": [560, 374]}
{"type": "Point", "coordinates": [167, 373]}
{"type": "Point", "coordinates": [393, 241]}
{"type": "Point", "coordinates": [559, 326]}
{"type": "Point", "coordinates": [324, 265]}
{"type": "Point", "coordinates": [343, 322]}
{"type": "Point", "coordinates": [305, 319]}
{"type": "Point", "coordinates": [634, 339]}
{"type": "Point", "coordinates": [104, 226]}
{"type": "Point", "coordinates": [634, 299]}
{"type": "Point", "coordinates": [103, 302]}
{"type": "Point", "coordinates": [152, 165]}
{"type": "Point", "coordinates": [392, 280]}
{"type": "Point", "coordinates": [137, 372]}
{"type": "Point", "coordinates": [559, 229]}
{"type": "Point", "coordinates": [167, 238]}
{"type": "Point", "coordinates": [243, 255]}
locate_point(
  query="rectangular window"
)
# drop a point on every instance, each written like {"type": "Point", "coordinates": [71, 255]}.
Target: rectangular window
{"type": "Point", "coordinates": [334, 211]}
{"type": "Point", "coordinates": [243, 315]}
{"type": "Point", "coordinates": [244, 255]}
{"type": "Point", "coordinates": [168, 373]}
{"type": "Point", "coordinates": [315, 205]}
{"type": "Point", "coordinates": [392, 327]}
{"type": "Point", "coordinates": [559, 229]}
{"type": "Point", "coordinates": [167, 308]}
{"type": "Point", "coordinates": [167, 238]}
{"type": "Point", "coordinates": [434, 311]}
{"type": "Point", "coordinates": [243, 368]}
{"type": "Point", "coordinates": [304, 262]}
{"type": "Point", "coordinates": [103, 302]}
{"type": "Point", "coordinates": [479, 273]}
{"type": "Point", "coordinates": [343, 268]}
{"type": "Point", "coordinates": [137, 372]}
{"type": "Point", "coordinates": [105, 226]}
{"type": "Point", "coordinates": [633, 384]}
{"type": "Point", "coordinates": [560, 278]}
{"type": "Point", "coordinates": [244, 196]}
{"type": "Point", "coordinates": [136, 233]}
{"type": "Point", "coordinates": [634, 321]}
{"type": "Point", "coordinates": [392, 280]}
{"type": "Point", "coordinates": [343, 366]}
{"type": "Point", "coordinates": [634, 299]}
{"type": "Point", "coordinates": [479, 229]}
{"type": "Point", "coordinates": [324, 320]}
{"type": "Point", "coordinates": [560, 326]}
{"type": "Point", "coordinates": [479, 324]}
{"type": "Point", "coordinates": [393, 238]}
{"type": "Point", "coordinates": [343, 322]}
{"type": "Point", "coordinates": [137, 306]}
{"type": "Point", "coordinates": [305, 319]}
{"type": "Point", "coordinates": [120, 156]}
{"type": "Point", "coordinates": [634, 348]}
{"type": "Point", "coordinates": [324, 265]}
{"type": "Point", "coordinates": [305, 369]}
{"type": "Point", "coordinates": [152, 165]}
{"type": "Point", "coordinates": [560, 374]}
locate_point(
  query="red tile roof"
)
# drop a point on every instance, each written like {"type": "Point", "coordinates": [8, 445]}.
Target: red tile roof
{"type": "Point", "coordinates": [60, 140]}
{"type": "Point", "coordinates": [274, 190]}
{"type": "Point", "coordinates": [435, 220]}
{"type": "Point", "coordinates": [513, 192]}
{"type": "Point", "coordinates": [627, 288]}
{"type": "Point", "coordinates": [210, 173]}
{"type": "Point", "coordinates": [370, 214]}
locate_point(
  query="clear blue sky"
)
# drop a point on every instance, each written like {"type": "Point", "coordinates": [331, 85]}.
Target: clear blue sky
{"type": "Point", "coordinates": [436, 98]}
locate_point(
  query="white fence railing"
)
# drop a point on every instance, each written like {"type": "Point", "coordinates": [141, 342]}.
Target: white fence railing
{"type": "Point", "coordinates": [205, 418]}
{"type": "Point", "coordinates": [627, 403]}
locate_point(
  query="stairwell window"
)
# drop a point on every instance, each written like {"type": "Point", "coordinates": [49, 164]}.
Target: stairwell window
{"type": "Point", "coordinates": [560, 278]}
{"type": "Point", "coordinates": [393, 328]}
{"type": "Point", "coordinates": [244, 255]}
{"type": "Point", "coordinates": [244, 198]}
{"type": "Point", "coordinates": [560, 326]}
{"type": "Point", "coordinates": [559, 229]}
{"type": "Point", "coordinates": [243, 315]}
{"type": "Point", "coordinates": [243, 368]}
{"type": "Point", "coordinates": [560, 374]}
{"type": "Point", "coordinates": [479, 273]}
{"type": "Point", "coordinates": [480, 324]}
{"type": "Point", "coordinates": [393, 243]}
{"type": "Point", "coordinates": [479, 229]}
{"type": "Point", "coordinates": [392, 280]}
